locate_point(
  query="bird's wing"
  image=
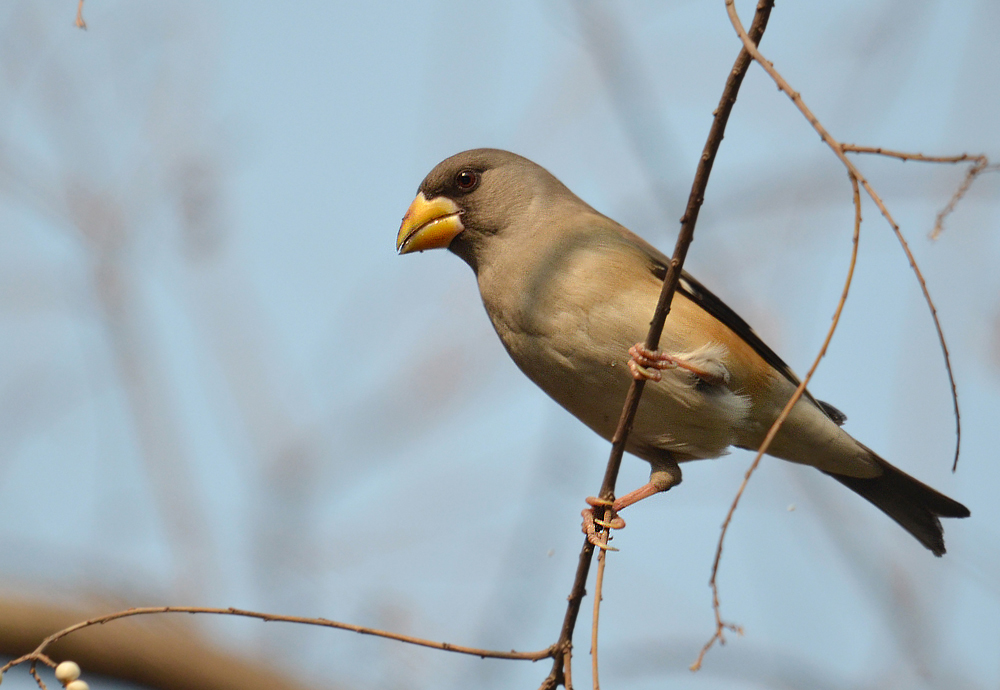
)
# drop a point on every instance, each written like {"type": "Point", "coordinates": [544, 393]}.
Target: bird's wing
{"type": "Point", "coordinates": [705, 299]}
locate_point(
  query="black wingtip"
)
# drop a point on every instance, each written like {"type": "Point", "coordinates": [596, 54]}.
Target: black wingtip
{"type": "Point", "coordinates": [832, 412]}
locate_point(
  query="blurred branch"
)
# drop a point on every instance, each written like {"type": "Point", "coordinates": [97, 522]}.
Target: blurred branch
{"type": "Point", "coordinates": [78, 22]}
{"type": "Point", "coordinates": [631, 95]}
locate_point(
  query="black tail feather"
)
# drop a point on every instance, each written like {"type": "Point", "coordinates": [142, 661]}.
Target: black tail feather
{"type": "Point", "coordinates": [908, 501]}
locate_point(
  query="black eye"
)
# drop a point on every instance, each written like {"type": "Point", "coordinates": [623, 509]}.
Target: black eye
{"type": "Point", "coordinates": [467, 180]}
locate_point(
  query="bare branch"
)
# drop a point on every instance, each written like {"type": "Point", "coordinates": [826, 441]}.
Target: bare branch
{"type": "Point", "coordinates": [906, 156]}
{"type": "Point", "coordinates": [143, 652]}
{"type": "Point", "coordinates": [697, 196]}
{"type": "Point", "coordinates": [602, 557]}
{"type": "Point", "coordinates": [78, 22]}
{"type": "Point", "coordinates": [839, 151]}
{"type": "Point", "coordinates": [720, 625]}
{"type": "Point", "coordinates": [980, 163]}
{"type": "Point", "coordinates": [39, 655]}
{"type": "Point", "coordinates": [970, 176]}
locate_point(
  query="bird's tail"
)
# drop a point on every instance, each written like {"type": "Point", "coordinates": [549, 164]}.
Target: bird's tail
{"type": "Point", "coordinates": [914, 505]}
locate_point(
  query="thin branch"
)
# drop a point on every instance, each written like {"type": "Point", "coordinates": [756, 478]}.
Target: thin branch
{"type": "Point", "coordinates": [34, 674]}
{"type": "Point", "coordinates": [720, 625]}
{"type": "Point", "coordinates": [970, 177]}
{"type": "Point", "coordinates": [568, 668]}
{"type": "Point", "coordinates": [79, 23]}
{"type": "Point", "coordinates": [906, 156]}
{"type": "Point", "coordinates": [695, 199]}
{"type": "Point", "coordinates": [980, 164]}
{"type": "Point", "coordinates": [602, 556]}
{"type": "Point", "coordinates": [839, 151]}
{"type": "Point", "coordinates": [38, 653]}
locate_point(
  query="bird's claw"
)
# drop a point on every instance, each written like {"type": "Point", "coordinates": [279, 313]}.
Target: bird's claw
{"type": "Point", "coordinates": [591, 523]}
{"type": "Point", "coordinates": [647, 364]}
{"type": "Point", "coordinates": [640, 372]}
{"type": "Point", "coordinates": [596, 502]}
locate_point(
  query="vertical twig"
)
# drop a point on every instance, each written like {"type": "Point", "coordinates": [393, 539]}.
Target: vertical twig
{"type": "Point", "coordinates": [79, 23]}
{"type": "Point", "coordinates": [602, 556]}
{"type": "Point", "coordinates": [688, 221]}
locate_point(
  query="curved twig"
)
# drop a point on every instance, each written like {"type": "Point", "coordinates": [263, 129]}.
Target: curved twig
{"type": "Point", "coordinates": [970, 176]}
{"type": "Point", "coordinates": [38, 655]}
{"type": "Point", "coordinates": [839, 150]}
{"type": "Point", "coordinates": [78, 22]}
{"type": "Point", "coordinates": [980, 164]}
{"type": "Point", "coordinates": [720, 625]}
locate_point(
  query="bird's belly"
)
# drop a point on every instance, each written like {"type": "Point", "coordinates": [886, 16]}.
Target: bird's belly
{"type": "Point", "coordinates": [569, 330]}
{"type": "Point", "coordinates": [678, 415]}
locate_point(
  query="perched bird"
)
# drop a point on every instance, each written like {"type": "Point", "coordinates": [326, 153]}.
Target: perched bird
{"type": "Point", "coordinates": [570, 292]}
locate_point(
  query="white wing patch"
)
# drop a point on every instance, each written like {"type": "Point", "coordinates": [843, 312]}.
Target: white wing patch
{"type": "Point", "coordinates": [703, 418]}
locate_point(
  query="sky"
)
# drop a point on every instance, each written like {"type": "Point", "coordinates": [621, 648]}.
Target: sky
{"type": "Point", "coordinates": [221, 386]}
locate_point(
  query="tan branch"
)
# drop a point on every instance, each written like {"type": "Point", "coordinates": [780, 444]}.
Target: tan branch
{"type": "Point", "coordinates": [980, 164]}
{"type": "Point", "coordinates": [38, 655]}
{"type": "Point", "coordinates": [157, 653]}
{"type": "Point", "coordinates": [856, 177]}
{"type": "Point", "coordinates": [970, 177]}
{"type": "Point", "coordinates": [696, 198]}
{"type": "Point", "coordinates": [720, 625]}
{"type": "Point", "coordinates": [907, 156]}
{"type": "Point", "coordinates": [840, 151]}
{"type": "Point", "coordinates": [79, 23]}
{"type": "Point", "coordinates": [602, 556]}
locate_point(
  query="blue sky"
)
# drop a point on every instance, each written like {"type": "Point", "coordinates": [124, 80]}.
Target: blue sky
{"type": "Point", "coordinates": [222, 387]}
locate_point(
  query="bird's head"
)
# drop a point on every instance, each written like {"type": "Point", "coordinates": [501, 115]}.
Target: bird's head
{"type": "Point", "coordinates": [472, 198]}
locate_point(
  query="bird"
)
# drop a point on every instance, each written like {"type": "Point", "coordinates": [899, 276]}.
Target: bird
{"type": "Point", "coordinates": [570, 292]}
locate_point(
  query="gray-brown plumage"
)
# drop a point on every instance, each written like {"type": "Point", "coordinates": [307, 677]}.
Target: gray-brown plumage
{"type": "Point", "coordinates": [569, 291]}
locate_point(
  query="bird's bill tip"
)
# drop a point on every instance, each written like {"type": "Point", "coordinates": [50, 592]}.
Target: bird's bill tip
{"type": "Point", "coordinates": [428, 224]}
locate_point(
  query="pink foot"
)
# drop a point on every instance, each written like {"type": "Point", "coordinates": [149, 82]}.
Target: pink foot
{"type": "Point", "coordinates": [664, 476]}
{"type": "Point", "coordinates": [590, 522]}
{"type": "Point", "coordinates": [647, 364]}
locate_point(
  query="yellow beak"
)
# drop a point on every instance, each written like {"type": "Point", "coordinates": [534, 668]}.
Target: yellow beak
{"type": "Point", "coordinates": [428, 224]}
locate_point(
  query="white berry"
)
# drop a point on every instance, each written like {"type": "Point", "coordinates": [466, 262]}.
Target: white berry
{"type": "Point", "coordinates": [78, 685]}
{"type": "Point", "coordinates": [67, 672]}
